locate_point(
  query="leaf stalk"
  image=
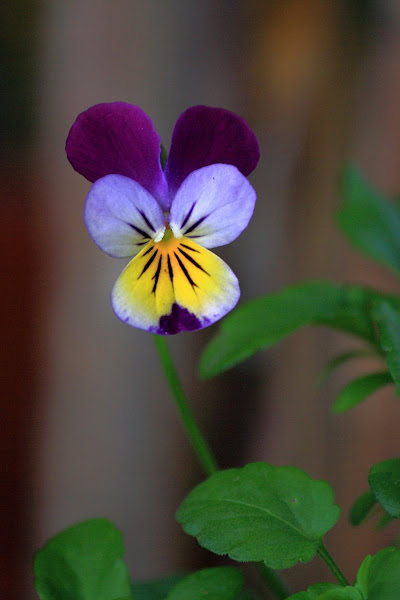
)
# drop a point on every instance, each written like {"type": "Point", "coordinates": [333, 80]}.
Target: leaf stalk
{"type": "Point", "coordinates": [201, 447]}
{"type": "Point", "coordinates": [193, 432]}
{"type": "Point", "coordinates": [331, 564]}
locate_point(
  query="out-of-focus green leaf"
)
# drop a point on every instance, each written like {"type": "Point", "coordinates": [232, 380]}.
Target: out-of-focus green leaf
{"type": "Point", "coordinates": [156, 589]}
{"type": "Point", "coordinates": [216, 583]}
{"type": "Point", "coordinates": [260, 513]}
{"type": "Point", "coordinates": [370, 221]}
{"type": "Point", "coordinates": [340, 359]}
{"type": "Point", "coordinates": [379, 575]}
{"type": "Point", "coordinates": [359, 389]}
{"type": "Point", "coordinates": [361, 508]}
{"type": "Point", "coordinates": [388, 321]}
{"type": "Point", "coordinates": [263, 322]}
{"type": "Point", "coordinates": [384, 521]}
{"type": "Point", "coordinates": [83, 562]}
{"type": "Point", "coordinates": [245, 594]}
{"type": "Point", "coordinates": [384, 479]}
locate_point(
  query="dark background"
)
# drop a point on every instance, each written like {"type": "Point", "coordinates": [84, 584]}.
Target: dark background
{"type": "Point", "coordinates": [88, 427]}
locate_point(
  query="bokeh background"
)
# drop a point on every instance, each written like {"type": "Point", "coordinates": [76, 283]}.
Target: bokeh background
{"type": "Point", "coordinates": [88, 427]}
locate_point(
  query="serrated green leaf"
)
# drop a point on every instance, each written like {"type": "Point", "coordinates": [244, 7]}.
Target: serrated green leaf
{"type": "Point", "coordinates": [83, 562]}
{"type": "Point", "coordinates": [361, 508]}
{"type": "Point", "coordinates": [333, 592]}
{"type": "Point", "coordinates": [328, 591]}
{"type": "Point", "coordinates": [263, 322]}
{"type": "Point", "coordinates": [379, 575]}
{"type": "Point", "coordinates": [339, 360]}
{"type": "Point", "coordinates": [384, 479]}
{"type": "Point", "coordinates": [260, 513]}
{"type": "Point", "coordinates": [370, 221]}
{"type": "Point", "coordinates": [388, 321]}
{"type": "Point", "coordinates": [157, 589]}
{"type": "Point", "coordinates": [359, 389]}
{"type": "Point", "coordinates": [216, 583]}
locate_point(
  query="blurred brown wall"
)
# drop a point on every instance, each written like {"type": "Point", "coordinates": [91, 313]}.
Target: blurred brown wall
{"type": "Point", "coordinates": [89, 428]}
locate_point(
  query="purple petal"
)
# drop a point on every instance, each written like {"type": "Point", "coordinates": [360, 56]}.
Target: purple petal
{"type": "Point", "coordinates": [121, 216]}
{"type": "Point", "coordinates": [213, 206]}
{"type": "Point", "coordinates": [117, 138]}
{"type": "Point", "coordinates": [205, 136]}
{"type": "Point", "coordinates": [179, 319]}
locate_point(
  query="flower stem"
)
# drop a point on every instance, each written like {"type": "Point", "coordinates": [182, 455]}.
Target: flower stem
{"type": "Point", "coordinates": [201, 448]}
{"type": "Point", "coordinates": [274, 582]}
{"type": "Point", "coordinates": [331, 564]}
{"type": "Point", "coordinates": [195, 437]}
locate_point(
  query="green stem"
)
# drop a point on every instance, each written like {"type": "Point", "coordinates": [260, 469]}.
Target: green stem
{"type": "Point", "coordinates": [201, 448]}
{"type": "Point", "coordinates": [199, 444]}
{"type": "Point", "coordinates": [331, 564]}
{"type": "Point", "coordinates": [274, 582]}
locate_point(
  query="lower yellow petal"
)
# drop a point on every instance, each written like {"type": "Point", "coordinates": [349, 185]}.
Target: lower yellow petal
{"type": "Point", "coordinates": [174, 285]}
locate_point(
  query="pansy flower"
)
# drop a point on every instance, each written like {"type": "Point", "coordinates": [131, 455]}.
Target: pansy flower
{"type": "Point", "coordinates": [166, 219]}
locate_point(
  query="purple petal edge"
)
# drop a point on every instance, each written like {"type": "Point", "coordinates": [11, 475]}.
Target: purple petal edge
{"type": "Point", "coordinates": [205, 135]}
{"type": "Point", "coordinates": [117, 138]}
{"type": "Point", "coordinates": [179, 319]}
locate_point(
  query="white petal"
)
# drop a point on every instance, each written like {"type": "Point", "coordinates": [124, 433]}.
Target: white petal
{"type": "Point", "coordinates": [212, 206]}
{"type": "Point", "coordinates": [121, 216]}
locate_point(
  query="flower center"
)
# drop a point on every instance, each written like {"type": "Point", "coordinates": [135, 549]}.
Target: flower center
{"type": "Point", "coordinates": [167, 238]}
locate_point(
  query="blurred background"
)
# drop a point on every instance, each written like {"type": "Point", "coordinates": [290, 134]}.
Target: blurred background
{"type": "Point", "coordinates": [88, 426]}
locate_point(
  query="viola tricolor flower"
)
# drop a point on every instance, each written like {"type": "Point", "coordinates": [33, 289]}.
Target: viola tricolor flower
{"type": "Point", "coordinates": [166, 220]}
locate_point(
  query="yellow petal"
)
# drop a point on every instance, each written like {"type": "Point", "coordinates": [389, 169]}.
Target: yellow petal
{"type": "Point", "coordinates": [174, 285]}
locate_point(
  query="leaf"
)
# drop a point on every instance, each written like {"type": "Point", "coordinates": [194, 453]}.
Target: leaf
{"type": "Point", "coordinates": [379, 575]}
{"type": "Point", "coordinates": [339, 360]}
{"type": "Point", "coordinates": [344, 593]}
{"type": "Point", "coordinates": [328, 591]}
{"type": "Point", "coordinates": [388, 321]}
{"type": "Point", "coordinates": [370, 221]}
{"type": "Point", "coordinates": [83, 562]}
{"type": "Point", "coordinates": [156, 589]}
{"type": "Point", "coordinates": [361, 508]}
{"type": "Point", "coordinates": [384, 479]}
{"type": "Point", "coordinates": [384, 521]}
{"type": "Point", "coordinates": [361, 583]}
{"type": "Point", "coordinates": [260, 513]}
{"type": "Point", "coordinates": [359, 389]}
{"type": "Point", "coordinates": [245, 594]}
{"type": "Point", "coordinates": [217, 583]}
{"type": "Point", "coordinates": [314, 591]}
{"type": "Point", "coordinates": [263, 322]}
